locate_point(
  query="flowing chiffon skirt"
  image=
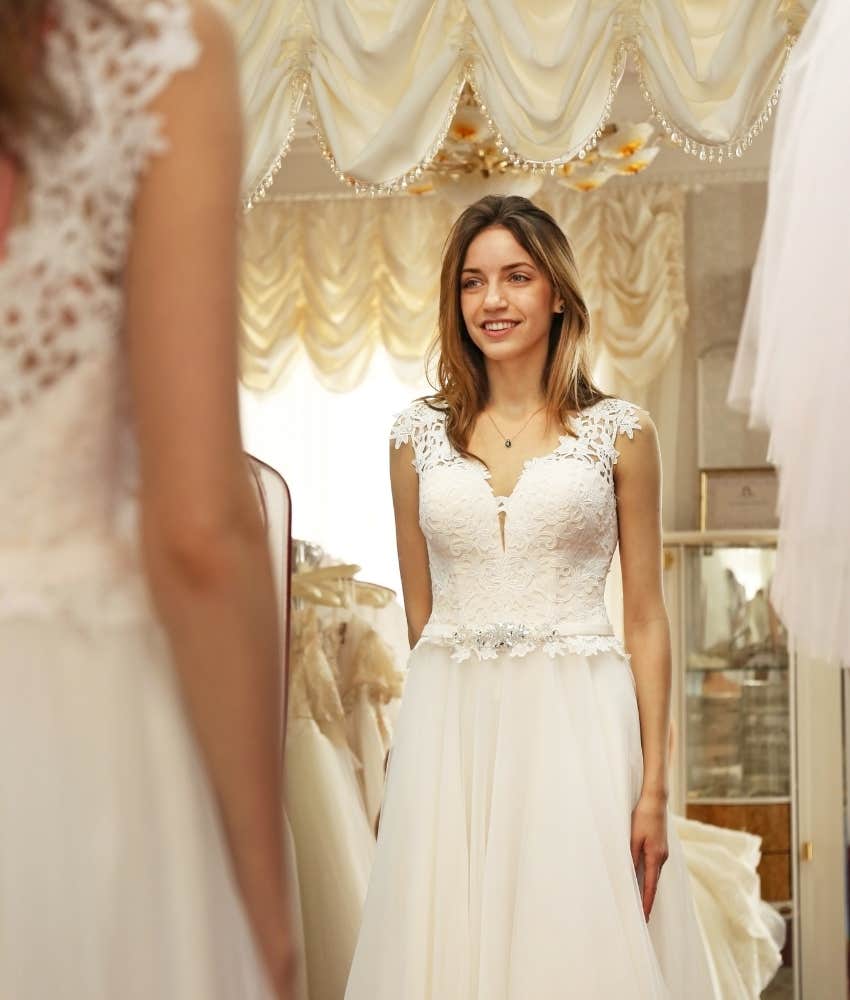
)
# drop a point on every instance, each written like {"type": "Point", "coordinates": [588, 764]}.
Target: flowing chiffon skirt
{"type": "Point", "coordinates": [114, 879]}
{"type": "Point", "coordinates": [503, 869]}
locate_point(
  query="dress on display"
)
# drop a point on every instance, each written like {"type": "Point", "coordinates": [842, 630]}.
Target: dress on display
{"type": "Point", "coordinates": [114, 873]}
{"type": "Point", "coordinates": [503, 869]}
{"type": "Point", "coordinates": [334, 842]}
{"type": "Point", "coordinates": [370, 683]}
{"type": "Point", "coordinates": [794, 353]}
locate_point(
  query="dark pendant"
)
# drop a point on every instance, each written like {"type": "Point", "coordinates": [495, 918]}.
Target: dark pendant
{"type": "Point", "coordinates": [508, 443]}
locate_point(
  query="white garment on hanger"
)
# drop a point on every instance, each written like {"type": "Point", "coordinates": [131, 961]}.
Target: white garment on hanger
{"type": "Point", "coordinates": [793, 366]}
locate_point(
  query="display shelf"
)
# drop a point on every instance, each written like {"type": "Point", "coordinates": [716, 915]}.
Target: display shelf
{"type": "Point", "coordinates": [764, 800]}
{"type": "Point", "coordinates": [733, 699]}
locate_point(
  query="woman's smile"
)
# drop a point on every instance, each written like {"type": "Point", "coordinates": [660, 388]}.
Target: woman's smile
{"type": "Point", "coordinates": [498, 329]}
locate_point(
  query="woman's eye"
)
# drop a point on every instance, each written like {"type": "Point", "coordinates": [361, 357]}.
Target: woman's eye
{"type": "Point", "coordinates": [470, 283]}
{"type": "Point", "coordinates": [522, 277]}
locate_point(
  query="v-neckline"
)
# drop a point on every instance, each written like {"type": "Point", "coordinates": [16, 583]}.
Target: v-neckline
{"type": "Point", "coordinates": [501, 502]}
{"type": "Point", "coordinates": [486, 474]}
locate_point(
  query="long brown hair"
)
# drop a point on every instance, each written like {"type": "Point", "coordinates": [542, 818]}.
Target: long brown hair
{"type": "Point", "coordinates": [28, 99]}
{"type": "Point", "coordinates": [462, 387]}
{"type": "Point", "coordinates": [25, 93]}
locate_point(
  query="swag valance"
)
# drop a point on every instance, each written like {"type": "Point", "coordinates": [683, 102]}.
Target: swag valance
{"type": "Point", "coordinates": [382, 77]}
{"type": "Point", "coordinates": [338, 278]}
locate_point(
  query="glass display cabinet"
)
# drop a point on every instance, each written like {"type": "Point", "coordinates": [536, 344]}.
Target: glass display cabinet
{"type": "Point", "coordinates": [732, 705]}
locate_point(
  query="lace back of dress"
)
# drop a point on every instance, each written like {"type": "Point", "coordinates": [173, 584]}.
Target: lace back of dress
{"type": "Point", "coordinates": [60, 279]}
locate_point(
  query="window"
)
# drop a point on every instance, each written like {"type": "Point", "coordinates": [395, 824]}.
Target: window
{"type": "Point", "coordinates": [332, 449]}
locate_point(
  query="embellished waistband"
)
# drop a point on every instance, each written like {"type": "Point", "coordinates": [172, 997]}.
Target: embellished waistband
{"type": "Point", "coordinates": [486, 642]}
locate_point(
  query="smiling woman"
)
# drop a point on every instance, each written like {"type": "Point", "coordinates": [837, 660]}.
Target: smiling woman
{"type": "Point", "coordinates": [509, 292]}
{"type": "Point", "coordinates": [525, 807]}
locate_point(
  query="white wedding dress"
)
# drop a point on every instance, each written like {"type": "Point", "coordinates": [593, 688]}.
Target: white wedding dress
{"type": "Point", "coordinates": [503, 869]}
{"type": "Point", "coordinates": [114, 880]}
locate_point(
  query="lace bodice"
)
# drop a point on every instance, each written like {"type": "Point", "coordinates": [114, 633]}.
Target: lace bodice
{"type": "Point", "coordinates": [545, 584]}
{"type": "Point", "coordinates": [66, 450]}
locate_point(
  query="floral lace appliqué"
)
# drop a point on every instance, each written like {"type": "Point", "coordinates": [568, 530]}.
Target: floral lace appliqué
{"type": "Point", "coordinates": [66, 442]}
{"type": "Point", "coordinates": [560, 533]}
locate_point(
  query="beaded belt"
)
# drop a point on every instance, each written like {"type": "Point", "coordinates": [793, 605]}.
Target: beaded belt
{"type": "Point", "coordinates": [515, 639]}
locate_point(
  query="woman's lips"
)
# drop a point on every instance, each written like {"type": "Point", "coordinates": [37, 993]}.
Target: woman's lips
{"type": "Point", "coordinates": [502, 331]}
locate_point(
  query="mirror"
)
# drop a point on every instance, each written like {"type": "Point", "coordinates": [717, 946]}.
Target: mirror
{"type": "Point", "coordinates": [340, 297]}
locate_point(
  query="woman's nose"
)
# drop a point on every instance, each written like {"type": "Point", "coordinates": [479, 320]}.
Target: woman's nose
{"type": "Point", "coordinates": [494, 299]}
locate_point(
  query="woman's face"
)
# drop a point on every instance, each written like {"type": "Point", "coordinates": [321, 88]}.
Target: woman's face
{"type": "Point", "coordinates": [506, 301]}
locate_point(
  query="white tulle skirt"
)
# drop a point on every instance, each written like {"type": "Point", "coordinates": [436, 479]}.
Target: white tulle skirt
{"type": "Point", "coordinates": [114, 882]}
{"type": "Point", "coordinates": [793, 360]}
{"type": "Point", "coordinates": [742, 933]}
{"type": "Point", "coordinates": [503, 869]}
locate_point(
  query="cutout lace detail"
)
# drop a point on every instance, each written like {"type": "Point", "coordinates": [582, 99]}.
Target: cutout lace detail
{"type": "Point", "coordinates": [66, 450]}
{"type": "Point", "coordinates": [560, 532]}
{"type": "Point", "coordinates": [60, 284]}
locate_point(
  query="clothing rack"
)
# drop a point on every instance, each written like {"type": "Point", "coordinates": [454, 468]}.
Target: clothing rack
{"type": "Point", "coordinates": [317, 581]}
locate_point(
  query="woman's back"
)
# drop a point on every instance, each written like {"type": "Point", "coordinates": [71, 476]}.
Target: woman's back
{"type": "Point", "coordinates": [139, 666]}
{"type": "Point", "coordinates": [66, 454]}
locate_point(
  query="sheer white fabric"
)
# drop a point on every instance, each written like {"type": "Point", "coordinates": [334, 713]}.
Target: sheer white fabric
{"type": "Point", "coordinates": [794, 354]}
{"type": "Point", "coordinates": [115, 874]}
{"type": "Point", "coordinates": [743, 934]}
{"type": "Point", "coordinates": [383, 79]}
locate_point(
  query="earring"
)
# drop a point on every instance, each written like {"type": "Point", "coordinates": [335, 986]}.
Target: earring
{"type": "Point", "coordinates": [560, 308]}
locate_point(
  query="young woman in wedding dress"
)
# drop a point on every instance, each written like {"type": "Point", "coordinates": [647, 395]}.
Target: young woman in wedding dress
{"type": "Point", "coordinates": [524, 848]}
{"type": "Point", "coordinates": [140, 817]}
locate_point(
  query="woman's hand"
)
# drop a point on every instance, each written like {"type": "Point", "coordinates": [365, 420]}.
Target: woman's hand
{"type": "Point", "coordinates": [649, 843]}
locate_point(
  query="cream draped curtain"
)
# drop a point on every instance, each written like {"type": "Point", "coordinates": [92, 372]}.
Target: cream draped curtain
{"type": "Point", "coordinates": [338, 278]}
{"type": "Point", "coordinates": [382, 77]}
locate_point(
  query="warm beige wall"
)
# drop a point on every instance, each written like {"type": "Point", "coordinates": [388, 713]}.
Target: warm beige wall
{"type": "Point", "coordinates": [723, 225]}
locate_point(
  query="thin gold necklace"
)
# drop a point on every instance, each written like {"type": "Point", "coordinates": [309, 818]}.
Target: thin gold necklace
{"type": "Point", "coordinates": [510, 440]}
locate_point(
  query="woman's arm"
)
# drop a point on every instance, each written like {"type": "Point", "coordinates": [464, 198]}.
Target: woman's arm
{"type": "Point", "coordinates": [647, 634]}
{"type": "Point", "coordinates": [412, 550]}
{"type": "Point", "coordinates": [203, 541]}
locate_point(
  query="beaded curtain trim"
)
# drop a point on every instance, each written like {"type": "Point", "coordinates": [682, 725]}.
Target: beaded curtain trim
{"type": "Point", "coordinates": [628, 50]}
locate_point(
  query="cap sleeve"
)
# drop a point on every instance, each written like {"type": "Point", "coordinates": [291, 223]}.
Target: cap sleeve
{"type": "Point", "coordinates": [111, 64]}
{"type": "Point", "coordinates": [619, 417]}
{"type": "Point", "coordinates": [403, 430]}
{"type": "Point", "coordinates": [421, 426]}
{"type": "Point", "coordinates": [625, 418]}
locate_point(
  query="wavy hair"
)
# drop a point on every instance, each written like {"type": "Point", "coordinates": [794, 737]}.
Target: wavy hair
{"type": "Point", "coordinates": [461, 384]}
{"type": "Point", "coordinates": [24, 92]}
{"type": "Point", "coordinates": [28, 99]}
